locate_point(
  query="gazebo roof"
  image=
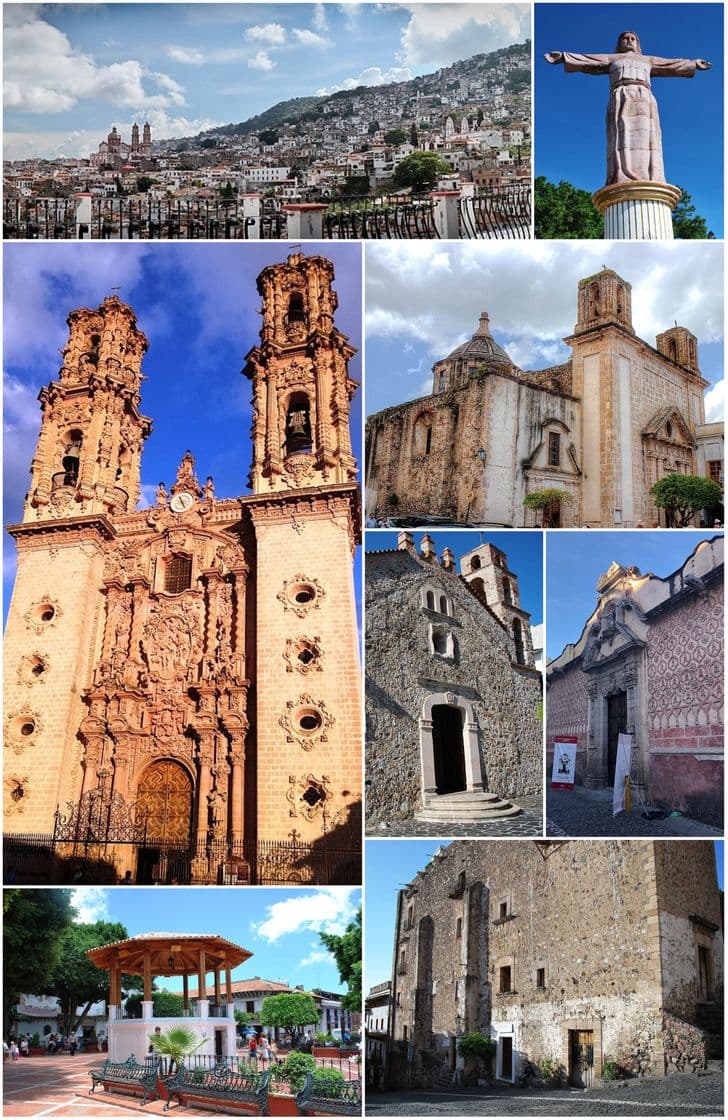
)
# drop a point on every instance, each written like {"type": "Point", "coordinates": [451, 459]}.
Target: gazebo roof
{"type": "Point", "coordinates": [182, 948]}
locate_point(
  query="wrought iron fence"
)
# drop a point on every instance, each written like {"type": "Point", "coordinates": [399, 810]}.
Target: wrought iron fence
{"type": "Point", "coordinates": [36, 858]}
{"type": "Point", "coordinates": [494, 212]}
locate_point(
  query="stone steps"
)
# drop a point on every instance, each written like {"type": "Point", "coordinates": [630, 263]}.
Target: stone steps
{"type": "Point", "coordinates": [467, 807]}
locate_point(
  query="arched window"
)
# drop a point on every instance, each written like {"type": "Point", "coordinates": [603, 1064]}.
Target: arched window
{"type": "Point", "coordinates": [672, 350]}
{"type": "Point", "coordinates": [691, 351]}
{"type": "Point", "coordinates": [443, 605]}
{"type": "Point", "coordinates": [71, 457]}
{"type": "Point", "coordinates": [422, 434]}
{"type": "Point", "coordinates": [507, 596]}
{"type": "Point", "coordinates": [296, 313]}
{"type": "Point", "coordinates": [298, 424]}
{"type": "Point", "coordinates": [479, 588]}
{"type": "Point", "coordinates": [593, 311]}
{"type": "Point", "coordinates": [430, 600]}
{"type": "Point", "coordinates": [518, 640]}
{"type": "Point", "coordinates": [474, 563]}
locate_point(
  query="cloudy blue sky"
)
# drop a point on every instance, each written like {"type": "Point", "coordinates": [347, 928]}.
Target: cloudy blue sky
{"type": "Point", "coordinates": [423, 298]}
{"type": "Point", "coordinates": [279, 926]}
{"type": "Point", "coordinates": [73, 70]}
{"type": "Point", "coordinates": [198, 306]}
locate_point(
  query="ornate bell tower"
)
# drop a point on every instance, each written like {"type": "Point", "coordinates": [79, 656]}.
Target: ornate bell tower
{"type": "Point", "coordinates": [88, 455]}
{"type": "Point", "coordinates": [301, 389]}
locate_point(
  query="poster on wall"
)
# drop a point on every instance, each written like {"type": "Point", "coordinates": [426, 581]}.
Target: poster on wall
{"type": "Point", "coordinates": [564, 768]}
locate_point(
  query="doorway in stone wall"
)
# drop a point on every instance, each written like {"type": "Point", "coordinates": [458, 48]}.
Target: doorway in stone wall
{"type": "Point", "coordinates": [448, 748]}
{"type": "Point", "coordinates": [581, 1059]}
{"type": "Point", "coordinates": [616, 724]}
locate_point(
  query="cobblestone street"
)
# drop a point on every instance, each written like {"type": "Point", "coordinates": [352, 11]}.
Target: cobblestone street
{"type": "Point", "coordinates": [588, 812]}
{"type": "Point", "coordinates": [527, 823]}
{"type": "Point", "coordinates": [680, 1095]}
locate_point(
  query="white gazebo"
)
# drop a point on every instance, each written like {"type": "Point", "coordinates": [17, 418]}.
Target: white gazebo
{"type": "Point", "coordinates": [171, 954]}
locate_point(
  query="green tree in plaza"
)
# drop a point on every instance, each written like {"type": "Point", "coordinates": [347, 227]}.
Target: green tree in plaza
{"type": "Point", "coordinates": [355, 186]}
{"type": "Point", "coordinates": [684, 495]}
{"type": "Point", "coordinates": [395, 136]}
{"type": "Point", "coordinates": [166, 1004]}
{"type": "Point", "coordinates": [346, 951]}
{"type": "Point", "coordinates": [686, 224]}
{"type": "Point", "coordinates": [227, 191]}
{"type": "Point", "coordinates": [76, 980]}
{"type": "Point", "coordinates": [290, 1010]}
{"type": "Point", "coordinates": [420, 171]}
{"type": "Point", "coordinates": [413, 135]}
{"type": "Point", "coordinates": [33, 924]}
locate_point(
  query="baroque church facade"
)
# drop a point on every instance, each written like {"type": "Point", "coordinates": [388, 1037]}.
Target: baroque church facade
{"type": "Point", "coordinates": [502, 938]}
{"type": "Point", "coordinates": [452, 695]}
{"type": "Point", "coordinates": [601, 428]}
{"type": "Point", "coordinates": [649, 663]}
{"type": "Point", "coordinates": [182, 681]}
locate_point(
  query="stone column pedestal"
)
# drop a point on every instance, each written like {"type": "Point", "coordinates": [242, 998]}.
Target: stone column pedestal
{"type": "Point", "coordinates": [637, 211]}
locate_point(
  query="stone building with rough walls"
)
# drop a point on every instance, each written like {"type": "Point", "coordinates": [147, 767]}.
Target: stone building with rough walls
{"type": "Point", "coordinates": [452, 698]}
{"type": "Point", "coordinates": [649, 663]}
{"type": "Point", "coordinates": [574, 951]}
{"type": "Point", "coordinates": [602, 428]}
{"type": "Point", "coordinates": [182, 681]}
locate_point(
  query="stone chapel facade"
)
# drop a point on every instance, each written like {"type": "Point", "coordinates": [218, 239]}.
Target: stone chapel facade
{"type": "Point", "coordinates": [572, 951]}
{"type": "Point", "coordinates": [452, 695]}
{"type": "Point", "coordinates": [182, 681]}
{"type": "Point", "coordinates": [602, 428]}
{"type": "Point", "coordinates": [649, 662]}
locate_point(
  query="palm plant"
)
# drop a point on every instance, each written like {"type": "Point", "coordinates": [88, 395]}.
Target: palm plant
{"type": "Point", "coordinates": [176, 1043]}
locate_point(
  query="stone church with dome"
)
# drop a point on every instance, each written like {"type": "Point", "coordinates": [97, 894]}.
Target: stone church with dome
{"type": "Point", "coordinates": [601, 428]}
{"type": "Point", "coordinates": [148, 728]}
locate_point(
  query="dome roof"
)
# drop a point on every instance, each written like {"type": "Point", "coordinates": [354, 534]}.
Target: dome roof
{"type": "Point", "coordinates": [482, 347]}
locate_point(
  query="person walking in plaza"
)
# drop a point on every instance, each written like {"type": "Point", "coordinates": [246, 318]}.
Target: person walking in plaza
{"type": "Point", "coordinates": [14, 1052]}
{"type": "Point", "coordinates": [253, 1048]}
{"type": "Point", "coordinates": [72, 1045]}
{"type": "Point", "coordinates": [265, 1051]}
{"type": "Point", "coordinates": [24, 1046]}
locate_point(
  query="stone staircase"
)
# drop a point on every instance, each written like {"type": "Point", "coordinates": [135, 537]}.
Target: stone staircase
{"type": "Point", "coordinates": [468, 807]}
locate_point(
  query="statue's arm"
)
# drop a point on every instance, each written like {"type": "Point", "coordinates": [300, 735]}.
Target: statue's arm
{"type": "Point", "coordinates": [580, 63]}
{"type": "Point", "coordinates": [677, 67]}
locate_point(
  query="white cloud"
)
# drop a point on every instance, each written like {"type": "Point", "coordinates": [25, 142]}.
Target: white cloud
{"type": "Point", "coordinates": [715, 402]}
{"type": "Point", "coordinates": [310, 38]}
{"type": "Point", "coordinates": [45, 73]}
{"type": "Point", "coordinates": [316, 956]}
{"type": "Point", "coordinates": [91, 904]}
{"type": "Point", "coordinates": [272, 33]}
{"type": "Point", "coordinates": [440, 34]}
{"type": "Point", "coordinates": [193, 56]}
{"type": "Point", "coordinates": [261, 61]}
{"type": "Point", "coordinates": [188, 55]}
{"type": "Point", "coordinates": [371, 76]}
{"type": "Point", "coordinates": [327, 910]}
{"type": "Point", "coordinates": [319, 17]}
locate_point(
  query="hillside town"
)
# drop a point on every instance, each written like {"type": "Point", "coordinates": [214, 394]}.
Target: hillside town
{"type": "Point", "coordinates": [471, 119]}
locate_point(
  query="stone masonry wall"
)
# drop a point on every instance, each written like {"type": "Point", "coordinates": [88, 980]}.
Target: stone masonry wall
{"type": "Point", "coordinates": [402, 672]}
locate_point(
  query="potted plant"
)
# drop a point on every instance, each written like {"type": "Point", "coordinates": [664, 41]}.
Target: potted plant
{"type": "Point", "coordinates": [34, 1046]}
{"type": "Point", "coordinates": [176, 1043]}
{"type": "Point", "coordinates": [287, 1079]}
{"type": "Point", "coordinates": [476, 1048]}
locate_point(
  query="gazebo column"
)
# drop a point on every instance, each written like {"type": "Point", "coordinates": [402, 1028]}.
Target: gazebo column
{"type": "Point", "coordinates": [203, 1007]}
{"type": "Point", "coordinates": [229, 994]}
{"type": "Point", "coordinates": [147, 1002]}
{"type": "Point", "coordinates": [217, 987]}
{"type": "Point", "coordinates": [186, 993]}
{"type": "Point", "coordinates": [114, 990]}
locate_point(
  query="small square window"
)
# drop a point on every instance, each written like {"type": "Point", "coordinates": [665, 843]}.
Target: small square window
{"type": "Point", "coordinates": [554, 449]}
{"type": "Point", "coordinates": [459, 928]}
{"type": "Point", "coordinates": [505, 978]}
{"type": "Point", "coordinates": [503, 910]}
{"type": "Point", "coordinates": [540, 977]}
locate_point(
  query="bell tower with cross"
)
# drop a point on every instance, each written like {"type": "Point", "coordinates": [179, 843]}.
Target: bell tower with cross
{"type": "Point", "coordinates": [301, 387]}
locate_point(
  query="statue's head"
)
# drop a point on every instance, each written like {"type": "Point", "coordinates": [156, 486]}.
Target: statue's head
{"type": "Point", "coordinates": [629, 41]}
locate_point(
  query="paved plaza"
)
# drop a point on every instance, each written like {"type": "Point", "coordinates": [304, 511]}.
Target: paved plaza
{"type": "Point", "coordinates": [697, 1095]}
{"type": "Point", "coordinates": [588, 812]}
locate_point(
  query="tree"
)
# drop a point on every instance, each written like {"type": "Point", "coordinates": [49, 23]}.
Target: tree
{"type": "Point", "coordinates": [355, 185]}
{"type": "Point", "coordinates": [34, 922]}
{"type": "Point", "coordinates": [176, 1043]}
{"type": "Point", "coordinates": [683, 495]}
{"type": "Point", "coordinates": [346, 951]}
{"type": "Point", "coordinates": [166, 1004]}
{"type": "Point", "coordinates": [210, 143]}
{"type": "Point", "coordinates": [565, 211]}
{"type": "Point", "coordinates": [227, 191]}
{"type": "Point", "coordinates": [686, 224]}
{"type": "Point", "coordinates": [413, 135]}
{"type": "Point", "coordinates": [420, 171]}
{"type": "Point", "coordinates": [144, 183]}
{"type": "Point", "coordinates": [373, 127]}
{"type": "Point", "coordinates": [75, 979]}
{"type": "Point", "coordinates": [481, 114]}
{"type": "Point", "coordinates": [395, 136]}
{"type": "Point", "coordinates": [242, 1019]}
{"type": "Point", "coordinates": [268, 136]}
{"type": "Point", "coordinates": [290, 1010]}
{"type": "Point", "coordinates": [546, 501]}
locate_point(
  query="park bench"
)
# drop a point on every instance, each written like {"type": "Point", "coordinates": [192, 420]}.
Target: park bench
{"type": "Point", "coordinates": [131, 1075]}
{"type": "Point", "coordinates": [321, 1097]}
{"type": "Point", "coordinates": [222, 1085]}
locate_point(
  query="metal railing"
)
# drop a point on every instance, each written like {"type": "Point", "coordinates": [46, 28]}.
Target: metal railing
{"type": "Point", "coordinates": [499, 213]}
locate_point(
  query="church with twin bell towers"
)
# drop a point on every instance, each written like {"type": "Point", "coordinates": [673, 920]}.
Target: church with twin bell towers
{"type": "Point", "coordinates": [182, 697]}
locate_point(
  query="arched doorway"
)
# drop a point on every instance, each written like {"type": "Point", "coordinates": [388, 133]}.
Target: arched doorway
{"type": "Point", "coordinates": [448, 747]}
{"type": "Point", "coordinates": [164, 804]}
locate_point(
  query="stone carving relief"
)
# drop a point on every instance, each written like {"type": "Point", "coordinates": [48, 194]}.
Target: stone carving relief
{"type": "Point", "coordinates": [306, 721]}
{"type": "Point", "coordinates": [308, 795]}
{"type": "Point", "coordinates": [32, 669]}
{"type": "Point", "coordinates": [22, 727]}
{"type": "Point", "coordinates": [303, 655]}
{"type": "Point", "coordinates": [15, 794]}
{"type": "Point", "coordinates": [172, 640]}
{"type": "Point", "coordinates": [301, 594]}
